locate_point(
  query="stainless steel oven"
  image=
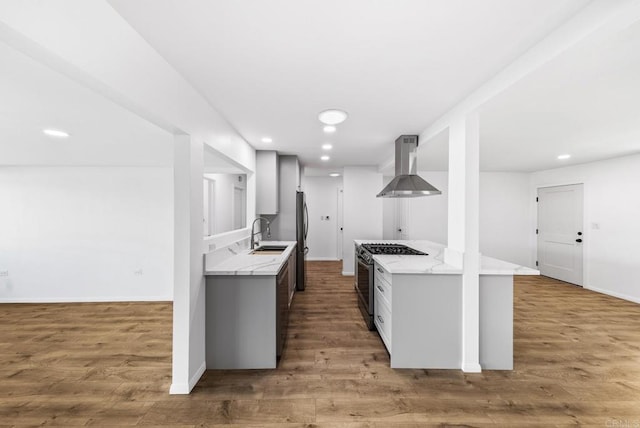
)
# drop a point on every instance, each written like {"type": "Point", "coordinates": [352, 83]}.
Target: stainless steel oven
{"type": "Point", "coordinates": [364, 270]}
{"type": "Point", "coordinates": [364, 285]}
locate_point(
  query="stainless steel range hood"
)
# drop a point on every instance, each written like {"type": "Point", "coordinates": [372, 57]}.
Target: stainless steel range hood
{"type": "Point", "coordinates": [407, 183]}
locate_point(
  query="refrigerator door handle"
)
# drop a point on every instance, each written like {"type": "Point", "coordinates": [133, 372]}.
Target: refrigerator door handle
{"type": "Point", "coordinates": [306, 220]}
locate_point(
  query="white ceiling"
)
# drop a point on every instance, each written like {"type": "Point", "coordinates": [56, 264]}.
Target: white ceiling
{"type": "Point", "coordinates": [34, 97]}
{"type": "Point", "coordinates": [395, 66]}
{"type": "Point", "coordinates": [270, 67]}
{"type": "Point", "coordinates": [584, 103]}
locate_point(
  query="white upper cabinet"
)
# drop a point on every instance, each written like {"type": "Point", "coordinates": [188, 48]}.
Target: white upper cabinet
{"type": "Point", "coordinates": [267, 182]}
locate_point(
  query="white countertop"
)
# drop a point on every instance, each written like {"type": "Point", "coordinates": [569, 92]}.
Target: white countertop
{"type": "Point", "coordinates": [245, 263]}
{"type": "Point", "coordinates": [434, 264]}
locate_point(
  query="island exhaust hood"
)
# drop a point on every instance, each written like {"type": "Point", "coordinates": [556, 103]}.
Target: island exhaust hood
{"type": "Point", "coordinates": [407, 183]}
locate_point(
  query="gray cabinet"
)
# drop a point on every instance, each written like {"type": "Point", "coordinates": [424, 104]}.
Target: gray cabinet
{"type": "Point", "coordinates": [419, 318]}
{"type": "Point", "coordinates": [283, 226]}
{"type": "Point", "coordinates": [282, 304]}
{"type": "Point", "coordinates": [421, 324]}
{"type": "Point", "coordinates": [292, 275]}
{"type": "Point", "coordinates": [247, 318]}
{"type": "Point", "coordinates": [267, 182]}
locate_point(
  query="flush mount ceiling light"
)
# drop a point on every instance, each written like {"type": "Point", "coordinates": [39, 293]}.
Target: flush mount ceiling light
{"type": "Point", "coordinates": [334, 174]}
{"type": "Point", "coordinates": [325, 158]}
{"type": "Point", "coordinates": [329, 129]}
{"type": "Point", "coordinates": [562, 157]}
{"type": "Point", "coordinates": [57, 133]}
{"type": "Point", "coordinates": [267, 140]}
{"type": "Point", "coordinates": [327, 147]}
{"type": "Point", "coordinates": [332, 116]}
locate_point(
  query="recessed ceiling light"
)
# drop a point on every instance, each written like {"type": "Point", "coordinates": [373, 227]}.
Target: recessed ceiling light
{"type": "Point", "coordinates": [332, 116]}
{"type": "Point", "coordinates": [334, 174]}
{"type": "Point", "coordinates": [55, 133]}
{"type": "Point", "coordinates": [325, 158]}
{"type": "Point", "coordinates": [564, 157]}
{"type": "Point", "coordinates": [327, 147]}
{"type": "Point", "coordinates": [329, 129]}
{"type": "Point", "coordinates": [267, 140]}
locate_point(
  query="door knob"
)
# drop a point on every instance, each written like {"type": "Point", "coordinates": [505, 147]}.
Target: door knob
{"type": "Point", "coordinates": [578, 240]}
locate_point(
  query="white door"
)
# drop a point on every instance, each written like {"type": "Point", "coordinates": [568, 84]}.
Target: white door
{"type": "Point", "coordinates": [560, 232]}
{"type": "Point", "coordinates": [401, 224]}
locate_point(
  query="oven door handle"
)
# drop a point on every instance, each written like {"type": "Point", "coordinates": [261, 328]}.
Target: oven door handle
{"type": "Point", "coordinates": [363, 263]}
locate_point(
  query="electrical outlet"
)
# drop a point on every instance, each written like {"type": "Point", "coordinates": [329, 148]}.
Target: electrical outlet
{"type": "Point", "coordinates": [4, 273]}
{"type": "Point", "coordinates": [137, 272]}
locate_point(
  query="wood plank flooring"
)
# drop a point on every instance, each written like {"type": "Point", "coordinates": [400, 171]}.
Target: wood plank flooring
{"type": "Point", "coordinates": [577, 362]}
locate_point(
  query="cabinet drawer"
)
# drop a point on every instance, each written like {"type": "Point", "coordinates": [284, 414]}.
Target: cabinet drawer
{"type": "Point", "coordinates": [381, 272]}
{"type": "Point", "coordinates": [382, 319]}
{"type": "Point", "coordinates": [384, 289]}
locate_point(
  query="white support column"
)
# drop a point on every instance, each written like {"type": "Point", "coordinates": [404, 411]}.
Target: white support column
{"type": "Point", "coordinates": [188, 291]}
{"type": "Point", "coordinates": [463, 246]}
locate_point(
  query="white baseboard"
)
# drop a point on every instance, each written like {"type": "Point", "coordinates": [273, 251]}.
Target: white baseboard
{"type": "Point", "coordinates": [322, 259]}
{"type": "Point", "coordinates": [100, 299]}
{"type": "Point", "coordinates": [184, 388]}
{"type": "Point", "coordinates": [345, 273]}
{"type": "Point", "coordinates": [471, 367]}
{"type": "Point", "coordinates": [614, 294]}
{"type": "Point", "coordinates": [179, 388]}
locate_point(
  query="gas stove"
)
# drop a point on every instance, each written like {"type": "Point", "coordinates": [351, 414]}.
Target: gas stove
{"type": "Point", "coordinates": [366, 251]}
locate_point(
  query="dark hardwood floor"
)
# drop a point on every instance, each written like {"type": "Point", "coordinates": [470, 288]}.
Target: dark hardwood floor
{"type": "Point", "coordinates": [577, 362]}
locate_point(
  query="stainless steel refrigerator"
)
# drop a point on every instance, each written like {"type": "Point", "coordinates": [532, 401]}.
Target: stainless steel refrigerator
{"type": "Point", "coordinates": [302, 227]}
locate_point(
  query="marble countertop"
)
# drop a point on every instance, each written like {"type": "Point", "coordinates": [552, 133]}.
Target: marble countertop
{"type": "Point", "coordinates": [245, 263]}
{"type": "Point", "coordinates": [434, 264]}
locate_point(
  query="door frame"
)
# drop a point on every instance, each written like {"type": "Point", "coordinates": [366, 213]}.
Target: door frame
{"type": "Point", "coordinates": [585, 219]}
{"type": "Point", "coordinates": [210, 220]}
{"type": "Point", "coordinates": [340, 224]}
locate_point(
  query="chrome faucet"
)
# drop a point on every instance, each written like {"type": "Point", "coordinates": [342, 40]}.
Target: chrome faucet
{"type": "Point", "coordinates": [253, 225]}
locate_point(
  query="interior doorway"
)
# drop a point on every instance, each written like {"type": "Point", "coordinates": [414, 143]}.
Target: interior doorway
{"type": "Point", "coordinates": [560, 232]}
{"type": "Point", "coordinates": [239, 208]}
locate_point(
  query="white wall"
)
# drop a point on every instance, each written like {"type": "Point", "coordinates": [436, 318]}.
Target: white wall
{"type": "Point", "coordinates": [322, 200]}
{"type": "Point", "coordinates": [388, 213]}
{"type": "Point", "coordinates": [505, 215]}
{"type": "Point", "coordinates": [362, 210]}
{"type": "Point", "coordinates": [612, 202]}
{"type": "Point", "coordinates": [427, 216]}
{"type": "Point", "coordinates": [86, 233]}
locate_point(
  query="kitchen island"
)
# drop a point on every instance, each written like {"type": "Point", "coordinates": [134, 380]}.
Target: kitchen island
{"type": "Point", "coordinates": [247, 305]}
{"type": "Point", "coordinates": [418, 308]}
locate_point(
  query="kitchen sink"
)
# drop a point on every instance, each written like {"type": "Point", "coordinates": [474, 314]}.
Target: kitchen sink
{"type": "Point", "coordinates": [269, 249]}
